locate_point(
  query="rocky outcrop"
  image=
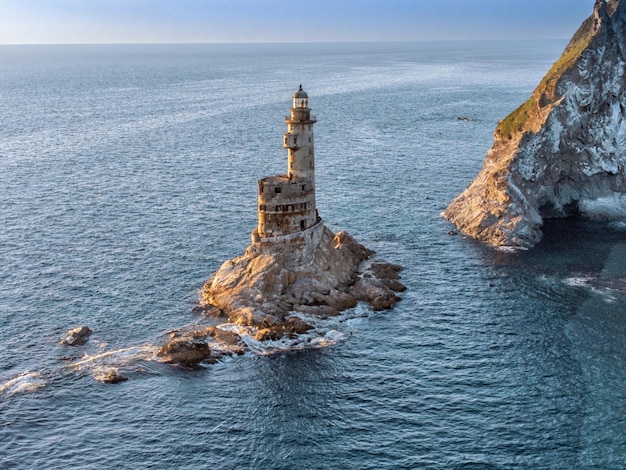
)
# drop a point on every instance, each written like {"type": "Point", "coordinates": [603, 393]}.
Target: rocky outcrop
{"type": "Point", "coordinates": [190, 348]}
{"type": "Point", "coordinates": [317, 274]}
{"type": "Point", "coordinates": [109, 375]}
{"type": "Point", "coordinates": [77, 336]}
{"type": "Point", "coordinates": [185, 351]}
{"type": "Point", "coordinates": [563, 152]}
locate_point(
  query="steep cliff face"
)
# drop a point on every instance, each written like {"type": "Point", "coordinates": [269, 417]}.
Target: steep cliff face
{"type": "Point", "coordinates": [563, 152]}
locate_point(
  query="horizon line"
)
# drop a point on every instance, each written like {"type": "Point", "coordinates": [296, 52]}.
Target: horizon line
{"type": "Point", "coordinates": [217, 43]}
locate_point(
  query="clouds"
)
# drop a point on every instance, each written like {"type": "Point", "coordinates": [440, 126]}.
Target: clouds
{"type": "Point", "coordinates": [114, 21]}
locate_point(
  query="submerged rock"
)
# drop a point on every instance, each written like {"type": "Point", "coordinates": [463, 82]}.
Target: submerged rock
{"type": "Point", "coordinates": [109, 375]}
{"type": "Point", "coordinates": [317, 274]}
{"type": "Point", "coordinates": [562, 152]}
{"type": "Point", "coordinates": [77, 336]}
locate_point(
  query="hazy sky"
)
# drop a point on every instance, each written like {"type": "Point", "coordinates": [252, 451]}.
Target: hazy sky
{"type": "Point", "coordinates": [114, 21]}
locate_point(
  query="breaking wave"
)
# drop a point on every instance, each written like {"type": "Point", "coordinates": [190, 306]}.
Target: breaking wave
{"type": "Point", "coordinates": [118, 357]}
{"type": "Point", "coordinates": [107, 366]}
{"type": "Point", "coordinates": [598, 286]}
{"type": "Point", "coordinates": [578, 281]}
{"type": "Point", "coordinates": [313, 340]}
{"type": "Point", "coordinates": [26, 382]}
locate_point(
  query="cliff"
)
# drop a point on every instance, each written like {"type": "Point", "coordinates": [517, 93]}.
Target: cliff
{"type": "Point", "coordinates": [562, 152]}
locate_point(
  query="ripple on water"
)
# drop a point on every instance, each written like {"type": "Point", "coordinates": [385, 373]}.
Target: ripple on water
{"type": "Point", "coordinates": [129, 175]}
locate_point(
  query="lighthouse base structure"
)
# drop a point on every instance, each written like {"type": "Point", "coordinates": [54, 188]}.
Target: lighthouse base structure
{"type": "Point", "coordinates": [299, 241]}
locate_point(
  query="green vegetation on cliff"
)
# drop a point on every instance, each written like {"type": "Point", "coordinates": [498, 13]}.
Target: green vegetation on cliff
{"type": "Point", "coordinates": [515, 122]}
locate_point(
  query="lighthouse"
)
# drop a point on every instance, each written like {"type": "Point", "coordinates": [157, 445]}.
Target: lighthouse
{"type": "Point", "coordinates": [298, 140]}
{"type": "Point", "coordinates": [286, 203]}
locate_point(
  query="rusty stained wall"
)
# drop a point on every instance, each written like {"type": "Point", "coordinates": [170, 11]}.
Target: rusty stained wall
{"type": "Point", "coordinates": [300, 157]}
{"type": "Point", "coordinates": [300, 144]}
{"type": "Point", "coordinates": [285, 206]}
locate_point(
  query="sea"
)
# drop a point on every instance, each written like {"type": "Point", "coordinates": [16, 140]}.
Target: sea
{"type": "Point", "coordinates": [128, 176]}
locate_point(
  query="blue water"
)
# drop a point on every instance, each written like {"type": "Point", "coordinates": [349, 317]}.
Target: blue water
{"type": "Point", "coordinates": [128, 175]}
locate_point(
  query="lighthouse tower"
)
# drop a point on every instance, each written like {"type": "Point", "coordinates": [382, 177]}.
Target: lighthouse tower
{"type": "Point", "coordinates": [298, 140]}
{"type": "Point", "coordinates": [287, 202]}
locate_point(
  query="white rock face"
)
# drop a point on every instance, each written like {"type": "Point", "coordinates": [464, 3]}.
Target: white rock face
{"type": "Point", "coordinates": [563, 152]}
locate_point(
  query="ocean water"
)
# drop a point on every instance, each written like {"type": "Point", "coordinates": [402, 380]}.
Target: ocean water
{"type": "Point", "coordinates": [128, 175]}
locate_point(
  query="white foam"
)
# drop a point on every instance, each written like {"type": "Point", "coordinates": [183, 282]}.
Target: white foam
{"type": "Point", "coordinates": [116, 358]}
{"type": "Point", "coordinates": [318, 337]}
{"type": "Point", "coordinates": [511, 249]}
{"type": "Point", "coordinates": [607, 296]}
{"type": "Point", "coordinates": [330, 338]}
{"type": "Point", "coordinates": [104, 374]}
{"type": "Point", "coordinates": [581, 281]}
{"type": "Point", "coordinates": [26, 382]}
{"type": "Point", "coordinates": [585, 282]}
{"type": "Point", "coordinates": [356, 321]}
{"type": "Point", "coordinates": [618, 224]}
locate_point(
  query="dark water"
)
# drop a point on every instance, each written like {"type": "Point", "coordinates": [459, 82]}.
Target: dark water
{"type": "Point", "coordinates": [128, 175]}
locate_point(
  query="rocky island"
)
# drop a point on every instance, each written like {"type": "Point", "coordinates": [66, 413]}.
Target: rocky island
{"type": "Point", "coordinates": [294, 267]}
{"type": "Point", "coordinates": [562, 152]}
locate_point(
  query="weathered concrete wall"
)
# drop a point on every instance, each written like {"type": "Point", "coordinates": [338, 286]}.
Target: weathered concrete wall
{"type": "Point", "coordinates": [285, 206]}
{"type": "Point", "coordinates": [286, 203]}
{"type": "Point", "coordinates": [300, 144]}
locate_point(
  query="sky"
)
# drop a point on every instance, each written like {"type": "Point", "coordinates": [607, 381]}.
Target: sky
{"type": "Point", "coordinates": [185, 21]}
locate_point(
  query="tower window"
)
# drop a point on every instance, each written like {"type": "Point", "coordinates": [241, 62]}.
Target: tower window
{"type": "Point", "coordinates": [278, 189]}
{"type": "Point", "coordinates": [304, 187]}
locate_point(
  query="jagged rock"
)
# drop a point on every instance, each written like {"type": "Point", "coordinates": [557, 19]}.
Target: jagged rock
{"type": "Point", "coordinates": [291, 327]}
{"type": "Point", "coordinates": [77, 336]}
{"type": "Point", "coordinates": [109, 375]}
{"type": "Point", "coordinates": [563, 152]}
{"type": "Point", "coordinates": [227, 338]}
{"type": "Point", "coordinates": [313, 275]}
{"type": "Point", "coordinates": [376, 293]}
{"type": "Point", "coordinates": [386, 270]}
{"type": "Point", "coordinates": [318, 310]}
{"type": "Point", "coordinates": [190, 347]}
{"type": "Point", "coordinates": [394, 285]}
{"type": "Point", "coordinates": [186, 352]}
{"type": "Point", "coordinates": [296, 326]}
{"type": "Point", "coordinates": [340, 300]}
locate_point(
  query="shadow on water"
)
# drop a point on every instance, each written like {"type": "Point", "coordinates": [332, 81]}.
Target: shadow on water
{"type": "Point", "coordinates": [572, 288]}
{"type": "Point", "coordinates": [589, 256]}
{"type": "Point", "coordinates": [568, 245]}
{"type": "Point", "coordinates": [575, 244]}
